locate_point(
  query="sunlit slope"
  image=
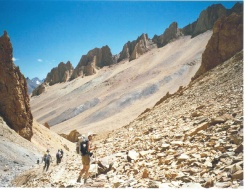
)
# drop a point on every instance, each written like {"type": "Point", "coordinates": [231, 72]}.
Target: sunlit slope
{"type": "Point", "coordinates": [116, 95]}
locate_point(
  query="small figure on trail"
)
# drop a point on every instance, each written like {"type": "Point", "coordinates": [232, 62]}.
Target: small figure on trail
{"type": "Point", "coordinates": [58, 157]}
{"type": "Point", "coordinates": [47, 159]}
{"type": "Point", "coordinates": [85, 148]}
{"type": "Point", "coordinates": [61, 154]}
{"type": "Point", "coordinates": [38, 161]}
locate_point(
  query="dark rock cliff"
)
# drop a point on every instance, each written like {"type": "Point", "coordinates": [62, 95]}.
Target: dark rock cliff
{"type": "Point", "coordinates": [226, 41]}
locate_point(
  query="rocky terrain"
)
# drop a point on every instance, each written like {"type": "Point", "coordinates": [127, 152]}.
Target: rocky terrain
{"type": "Point", "coordinates": [178, 130]}
{"type": "Point", "coordinates": [205, 22]}
{"type": "Point", "coordinates": [100, 57]}
{"type": "Point", "coordinates": [194, 139]}
{"type": "Point", "coordinates": [132, 50]}
{"type": "Point", "coordinates": [116, 95]}
{"type": "Point", "coordinates": [170, 34]}
{"type": "Point", "coordinates": [14, 98]}
{"type": "Point", "coordinates": [18, 154]}
{"type": "Point", "coordinates": [226, 40]}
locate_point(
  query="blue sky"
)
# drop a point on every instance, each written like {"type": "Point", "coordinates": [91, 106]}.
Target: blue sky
{"type": "Point", "coordinates": [45, 33]}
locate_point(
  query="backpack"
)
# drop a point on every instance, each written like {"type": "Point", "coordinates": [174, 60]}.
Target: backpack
{"type": "Point", "coordinates": [84, 147]}
{"type": "Point", "coordinates": [47, 158]}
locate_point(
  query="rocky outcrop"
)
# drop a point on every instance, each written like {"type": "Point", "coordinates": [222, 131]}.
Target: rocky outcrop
{"type": "Point", "coordinates": [227, 40]}
{"type": "Point", "coordinates": [208, 17]}
{"type": "Point", "coordinates": [205, 22]}
{"type": "Point", "coordinates": [72, 136]}
{"type": "Point", "coordinates": [132, 50]}
{"type": "Point", "coordinates": [59, 74]}
{"type": "Point", "coordinates": [39, 90]}
{"type": "Point", "coordinates": [14, 99]}
{"type": "Point", "coordinates": [96, 58]}
{"type": "Point", "coordinates": [171, 33]}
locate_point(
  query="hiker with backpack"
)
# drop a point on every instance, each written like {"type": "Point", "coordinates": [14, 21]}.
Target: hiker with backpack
{"type": "Point", "coordinates": [47, 159]}
{"type": "Point", "coordinates": [85, 148]}
{"type": "Point", "coordinates": [58, 157]}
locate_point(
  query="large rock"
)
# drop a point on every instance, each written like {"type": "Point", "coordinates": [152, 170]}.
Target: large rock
{"type": "Point", "coordinates": [98, 57]}
{"type": "Point", "coordinates": [59, 74]}
{"type": "Point", "coordinates": [226, 41]}
{"type": "Point", "coordinates": [72, 136]}
{"type": "Point", "coordinates": [14, 99]}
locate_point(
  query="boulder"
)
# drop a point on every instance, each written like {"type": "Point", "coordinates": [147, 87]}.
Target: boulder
{"type": "Point", "coordinates": [194, 131]}
{"type": "Point", "coordinates": [72, 136]}
{"type": "Point", "coordinates": [132, 155]}
{"type": "Point", "coordinates": [145, 173]}
{"type": "Point", "coordinates": [237, 175]}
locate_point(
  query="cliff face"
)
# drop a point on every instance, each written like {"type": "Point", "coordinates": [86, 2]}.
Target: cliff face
{"type": "Point", "coordinates": [59, 74]}
{"type": "Point", "coordinates": [14, 99]}
{"type": "Point", "coordinates": [208, 17]}
{"type": "Point", "coordinates": [132, 50]}
{"type": "Point", "coordinates": [98, 57]}
{"type": "Point", "coordinates": [227, 40]}
{"type": "Point", "coordinates": [205, 22]}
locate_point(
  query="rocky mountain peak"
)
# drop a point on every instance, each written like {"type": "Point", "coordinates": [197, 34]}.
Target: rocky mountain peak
{"type": "Point", "coordinates": [95, 58]}
{"type": "Point", "coordinates": [59, 74]}
{"type": "Point", "coordinates": [208, 17]}
{"type": "Point", "coordinates": [14, 99]}
{"type": "Point", "coordinates": [132, 50]}
{"type": "Point", "coordinates": [171, 33]}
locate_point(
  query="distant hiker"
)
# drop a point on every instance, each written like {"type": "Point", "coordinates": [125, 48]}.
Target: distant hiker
{"type": "Point", "coordinates": [58, 157]}
{"type": "Point", "coordinates": [47, 159]}
{"type": "Point", "coordinates": [62, 153]}
{"type": "Point", "coordinates": [38, 161]}
{"type": "Point", "coordinates": [85, 148]}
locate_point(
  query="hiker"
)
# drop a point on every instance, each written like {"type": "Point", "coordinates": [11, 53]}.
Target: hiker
{"type": "Point", "coordinates": [85, 147]}
{"type": "Point", "coordinates": [47, 159]}
{"type": "Point", "coordinates": [61, 154]}
{"type": "Point", "coordinates": [58, 157]}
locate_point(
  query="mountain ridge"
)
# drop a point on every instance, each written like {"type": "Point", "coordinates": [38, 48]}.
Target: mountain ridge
{"type": "Point", "coordinates": [120, 87]}
{"type": "Point", "coordinates": [132, 50]}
